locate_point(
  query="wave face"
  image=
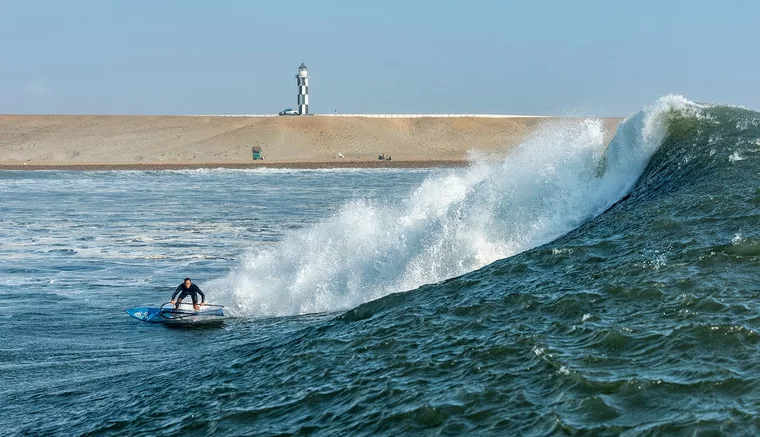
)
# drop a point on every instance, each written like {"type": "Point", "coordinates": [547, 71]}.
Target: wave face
{"type": "Point", "coordinates": [452, 223]}
{"type": "Point", "coordinates": [642, 321]}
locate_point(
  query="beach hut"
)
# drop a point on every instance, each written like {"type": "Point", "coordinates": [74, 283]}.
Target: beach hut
{"type": "Point", "coordinates": [256, 153]}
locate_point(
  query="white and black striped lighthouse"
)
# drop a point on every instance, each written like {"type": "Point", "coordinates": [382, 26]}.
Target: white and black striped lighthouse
{"type": "Point", "coordinates": [303, 90]}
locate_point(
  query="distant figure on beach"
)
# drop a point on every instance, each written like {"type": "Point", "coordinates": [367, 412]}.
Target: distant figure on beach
{"type": "Point", "coordinates": [185, 288]}
{"type": "Point", "coordinates": [381, 158]}
{"type": "Point", "coordinates": [388, 158]}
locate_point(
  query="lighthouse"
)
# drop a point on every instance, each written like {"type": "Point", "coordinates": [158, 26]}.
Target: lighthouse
{"type": "Point", "coordinates": [303, 90]}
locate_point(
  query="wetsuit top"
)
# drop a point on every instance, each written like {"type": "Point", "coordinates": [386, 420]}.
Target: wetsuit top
{"type": "Point", "coordinates": [191, 291]}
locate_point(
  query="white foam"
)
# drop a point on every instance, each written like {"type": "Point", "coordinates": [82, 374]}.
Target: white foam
{"type": "Point", "coordinates": [454, 222]}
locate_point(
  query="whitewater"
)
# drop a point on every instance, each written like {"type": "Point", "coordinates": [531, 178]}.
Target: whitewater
{"type": "Point", "coordinates": [452, 223]}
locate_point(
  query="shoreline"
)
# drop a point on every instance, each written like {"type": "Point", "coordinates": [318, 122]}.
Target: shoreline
{"type": "Point", "coordinates": [296, 165]}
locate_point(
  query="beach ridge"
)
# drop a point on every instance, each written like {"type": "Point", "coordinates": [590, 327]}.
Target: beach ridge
{"type": "Point", "coordinates": [136, 141]}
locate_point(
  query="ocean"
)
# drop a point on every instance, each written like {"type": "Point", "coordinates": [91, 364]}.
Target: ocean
{"type": "Point", "coordinates": [571, 288]}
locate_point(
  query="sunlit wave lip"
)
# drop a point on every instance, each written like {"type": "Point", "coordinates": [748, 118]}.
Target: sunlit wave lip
{"type": "Point", "coordinates": [455, 221]}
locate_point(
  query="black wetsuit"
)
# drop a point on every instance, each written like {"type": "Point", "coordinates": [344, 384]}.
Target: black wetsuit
{"type": "Point", "coordinates": [193, 291]}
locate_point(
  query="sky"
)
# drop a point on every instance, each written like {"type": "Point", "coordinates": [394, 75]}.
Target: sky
{"type": "Point", "coordinates": [582, 58]}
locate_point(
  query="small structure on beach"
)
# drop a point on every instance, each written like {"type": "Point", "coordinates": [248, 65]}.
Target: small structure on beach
{"type": "Point", "coordinates": [256, 153]}
{"type": "Point", "coordinates": [302, 78]}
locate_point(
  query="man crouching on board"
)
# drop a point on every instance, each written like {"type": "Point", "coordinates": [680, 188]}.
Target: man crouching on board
{"type": "Point", "coordinates": [186, 288]}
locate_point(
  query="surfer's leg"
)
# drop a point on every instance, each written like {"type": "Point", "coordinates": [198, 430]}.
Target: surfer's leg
{"type": "Point", "coordinates": [194, 296]}
{"type": "Point", "coordinates": [179, 299]}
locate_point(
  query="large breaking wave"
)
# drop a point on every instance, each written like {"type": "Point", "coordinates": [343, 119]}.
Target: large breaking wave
{"type": "Point", "coordinates": [454, 222]}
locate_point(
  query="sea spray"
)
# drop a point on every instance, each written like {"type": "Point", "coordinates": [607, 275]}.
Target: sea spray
{"type": "Point", "coordinates": [456, 221]}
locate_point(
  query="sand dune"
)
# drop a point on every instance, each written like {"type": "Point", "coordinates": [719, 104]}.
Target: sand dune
{"type": "Point", "coordinates": [67, 140]}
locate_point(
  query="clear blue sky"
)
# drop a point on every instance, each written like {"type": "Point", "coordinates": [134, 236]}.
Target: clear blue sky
{"type": "Point", "coordinates": [392, 56]}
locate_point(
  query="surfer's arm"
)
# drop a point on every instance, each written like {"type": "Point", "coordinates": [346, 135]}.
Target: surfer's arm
{"type": "Point", "coordinates": [203, 296]}
{"type": "Point", "coordinates": [176, 292]}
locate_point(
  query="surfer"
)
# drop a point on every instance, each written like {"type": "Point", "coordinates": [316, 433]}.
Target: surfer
{"type": "Point", "coordinates": [186, 288]}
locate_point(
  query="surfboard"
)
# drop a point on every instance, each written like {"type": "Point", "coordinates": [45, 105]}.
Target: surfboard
{"type": "Point", "coordinates": [185, 314]}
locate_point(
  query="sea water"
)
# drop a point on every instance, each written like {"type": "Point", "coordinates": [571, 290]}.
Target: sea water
{"type": "Point", "coordinates": [573, 287]}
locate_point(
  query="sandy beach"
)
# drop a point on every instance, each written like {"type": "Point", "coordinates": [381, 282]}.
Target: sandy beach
{"type": "Point", "coordinates": [150, 142]}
